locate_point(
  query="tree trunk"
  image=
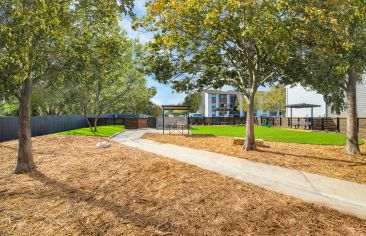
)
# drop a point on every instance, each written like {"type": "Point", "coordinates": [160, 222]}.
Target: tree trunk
{"type": "Point", "coordinates": [25, 159]}
{"type": "Point", "coordinates": [352, 146]}
{"type": "Point", "coordinates": [86, 118]}
{"type": "Point", "coordinates": [95, 124]}
{"type": "Point", "coordinates": [249, 144]}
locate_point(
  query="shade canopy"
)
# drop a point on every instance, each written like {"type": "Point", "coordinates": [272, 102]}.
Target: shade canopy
{"type": "Point", "coordinates": [176, 107]}
{"type": "Point", "coordinates": [301, 105]}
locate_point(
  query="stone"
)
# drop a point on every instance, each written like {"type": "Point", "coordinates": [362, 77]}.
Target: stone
{"type": "Point", "coordinates": [103, 145]}
{"type": "Point", "coordinates": [240, 141]}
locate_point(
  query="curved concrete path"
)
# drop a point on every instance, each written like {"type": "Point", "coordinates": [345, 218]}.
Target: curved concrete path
{"type": "Point", "coordinates": [338, 194]}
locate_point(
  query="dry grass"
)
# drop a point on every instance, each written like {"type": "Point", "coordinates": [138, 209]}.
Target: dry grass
{"type": "Point", "coordinates": [319, 159]}
{"type": "Point", "coordinates": [79, 189]}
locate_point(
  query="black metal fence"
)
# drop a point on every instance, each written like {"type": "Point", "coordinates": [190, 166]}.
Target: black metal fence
{"type": "Point", "coordinates": [40, 125]}
{"type": "Point", "coordinates": [336, 124]}
{"type": "Point", "coordinates": [216, 120]}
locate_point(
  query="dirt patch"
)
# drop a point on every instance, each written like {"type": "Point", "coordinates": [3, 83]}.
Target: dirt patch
{"type": "Point", "coordinates": [319, 159]}
{"type": "Point", "coordinates": [79, 189]}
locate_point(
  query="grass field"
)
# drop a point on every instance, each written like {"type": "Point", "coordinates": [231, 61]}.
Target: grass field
{"type": "Point", "coordinates": [103, 131]}
{"type": "Point", "coordinates": [274, 134]}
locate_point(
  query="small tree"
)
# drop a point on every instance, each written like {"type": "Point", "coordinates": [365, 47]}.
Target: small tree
{"type": "Point", "coordinates": [193, 100]}
{"type": "Point", "coordinates": [207, 43]}
{"type": "Point", "coordinates": [258, 103]}
{"type": "Point", "coordinates": [275, 99]}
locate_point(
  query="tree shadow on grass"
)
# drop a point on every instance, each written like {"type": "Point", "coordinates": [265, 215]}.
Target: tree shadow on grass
{"type": "Point", "coordinates": [124, 211]}
{"type": "Point", "coordinates": [350, 163]}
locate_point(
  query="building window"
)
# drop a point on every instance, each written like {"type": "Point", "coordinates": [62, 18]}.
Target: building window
{"type": "Point", "coordinates": [232, 101]}
{"type": "Point", "coordinates": [213, 100]}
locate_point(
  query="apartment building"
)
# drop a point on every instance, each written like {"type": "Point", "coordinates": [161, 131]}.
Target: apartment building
{"type": "Point", "coordinates": [218, 103]}
{"type": "Point", "coordinates": [299, 94]}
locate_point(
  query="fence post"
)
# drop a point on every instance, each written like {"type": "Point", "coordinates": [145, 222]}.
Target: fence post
{"type": "Point", "coordinates": [358, 124]}
{"type": "Point", "coordinates": [322, 120]}
{"type": "Point", "coordinates": [280, 121]}
{"type": "Point", "coordinates": [338, 124]}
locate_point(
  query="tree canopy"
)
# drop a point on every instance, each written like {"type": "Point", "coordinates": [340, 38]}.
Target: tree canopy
{"type": "Point", "coordinates": [204, 43]}
{"type": "Point", "coordinates": [331, 38]}
{"type": "Point", "coordinates": [35, 37]}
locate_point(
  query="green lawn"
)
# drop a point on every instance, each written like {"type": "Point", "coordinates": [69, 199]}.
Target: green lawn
{"type": "Point", "coordinates": [103, 131]}
{"type": "Point", "coordinates": [274, 134]}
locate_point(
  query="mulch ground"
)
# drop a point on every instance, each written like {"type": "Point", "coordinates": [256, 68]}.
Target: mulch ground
{"type": "Point", "coordinates": [79, 189]}
{"type": "Point", "coordinates": [319, 159]}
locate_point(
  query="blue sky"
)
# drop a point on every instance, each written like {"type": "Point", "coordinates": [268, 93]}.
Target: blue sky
{"type": "Point", "coordinates": [165, 95]}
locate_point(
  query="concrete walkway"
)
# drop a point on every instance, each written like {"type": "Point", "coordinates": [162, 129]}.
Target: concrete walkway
{"type": "Point", "coordinates": [342, 195]}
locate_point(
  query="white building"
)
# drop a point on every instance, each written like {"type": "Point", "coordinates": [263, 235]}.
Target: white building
{"type": "Point", "coordinates": [217, 103]}
{"type": "Point", "coordinates": [298, 94]}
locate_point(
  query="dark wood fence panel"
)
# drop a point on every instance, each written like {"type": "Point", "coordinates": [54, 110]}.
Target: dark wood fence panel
{"type": "Point", "coordinates": [40, 125]}
{"type": "Point", "coordinates": [151, 122]}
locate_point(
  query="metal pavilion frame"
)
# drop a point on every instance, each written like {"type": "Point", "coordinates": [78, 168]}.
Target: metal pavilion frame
{"type": "Point", "coordinates": [176, 107]}
{"type": "Point", "coordinates": [303, 105]}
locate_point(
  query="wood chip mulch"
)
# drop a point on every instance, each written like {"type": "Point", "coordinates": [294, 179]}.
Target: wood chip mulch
{"type": "Point", "coordinates": [79, 189]}
{"type": "Point", "coordinates": [318, 159]}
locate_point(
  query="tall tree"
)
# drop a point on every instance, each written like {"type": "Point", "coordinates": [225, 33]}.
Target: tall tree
{"type": "Point", "coordinates": [31, 33]}
{"type": "Point", "coordinates": [332, 59]}
{"type": "Point", "coordinates": [137, 100]}
{"type": "Point", "coordinates": [193, 100]}
{"type": "Point", "coordinates": [206, 43]}
{"type": "Point", "coordinates": [104, 68]}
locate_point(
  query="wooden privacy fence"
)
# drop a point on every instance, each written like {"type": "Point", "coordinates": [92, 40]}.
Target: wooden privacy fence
{"type": "Point", "coordinates": [40, 125]}
{"type": "Point", "coordinates": [151, 121]}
